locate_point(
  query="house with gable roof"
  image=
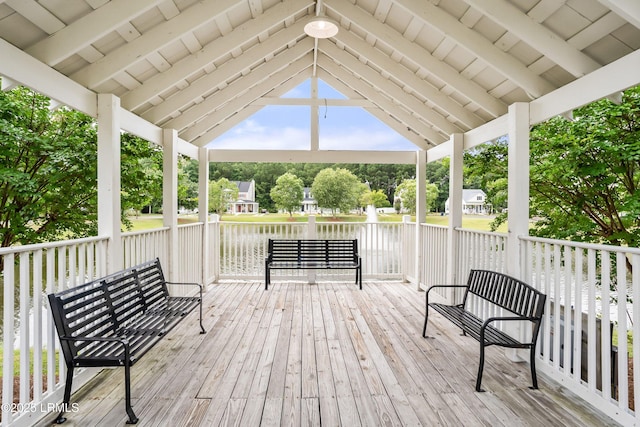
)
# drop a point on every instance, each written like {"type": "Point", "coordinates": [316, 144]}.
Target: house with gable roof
{"type": "Point", "coordinates": [474, 202]}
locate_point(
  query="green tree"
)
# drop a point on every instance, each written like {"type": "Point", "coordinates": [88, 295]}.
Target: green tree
{"type": "Point", "coordinates": [406, 192]}
{"type": "Point", "coordinates": [377, 198]}
{"type": "Point", "coordinates": [187, 183]}
{"type": "Point", "coordinates": [585, 173]}
{"type": "Point", "coordinates": [221, 193]}
{"type": "Point", "coordinates": [288, 193]}
{"type": "Point", "coordinates": [47, 170]}
{"type": "Point", "coordinates": [336, 189]}
{"type": "Point", "coordinates": [141, 175]}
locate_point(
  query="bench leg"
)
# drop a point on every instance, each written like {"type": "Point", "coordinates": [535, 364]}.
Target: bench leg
{"type": "Point", "coordinates": [532, 362]}
{"type": "Point", "coordinates": [127, 395]}
{"type": "Point", "coordinates": [267, 278]}
{"type": "Point", "coordinates": [480, 367]}
{"type": "Point", "coordinates": [359, 277]}
{"type": "Point", "coordinates": [67, 395]}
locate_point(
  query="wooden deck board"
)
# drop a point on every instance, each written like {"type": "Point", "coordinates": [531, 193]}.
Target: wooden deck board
{"type": "Point", "coordinates": [325, 354]}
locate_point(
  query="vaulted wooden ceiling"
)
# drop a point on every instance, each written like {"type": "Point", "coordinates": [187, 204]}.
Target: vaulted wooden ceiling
{"type": "Point", "coordinates": [426, 68]}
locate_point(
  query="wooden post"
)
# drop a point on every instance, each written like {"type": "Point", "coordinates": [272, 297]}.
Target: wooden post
{"type": "Point", "coordinates": [170, 199]}
{"type": "Point", "coordinates": [109, 178]}
{"type": "Point", "coordinates": [203, 209]}
{"type": "Point", "coordinates": [455, 210]}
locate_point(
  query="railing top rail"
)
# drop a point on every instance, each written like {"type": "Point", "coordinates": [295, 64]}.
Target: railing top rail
{"type": "Point", "coordinates": [582, 245]}
{"type": "Point", "coordinates": [486, 233]}
{"type": "Point", "coordinates": [51, 245]}
{"type": "Point", "coordinates": [141, 232]}
{"type": "Point", "coordinates": [190, 225]}
{"type": "Point", "coordinates": [442, 227]}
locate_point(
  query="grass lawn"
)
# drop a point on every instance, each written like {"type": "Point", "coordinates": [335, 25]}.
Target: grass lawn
{"type": "Point", "coordinates": [473, 222]}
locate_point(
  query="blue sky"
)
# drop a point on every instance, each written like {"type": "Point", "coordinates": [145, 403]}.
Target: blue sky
{"type": "Point", "coordinates": [287, 127]}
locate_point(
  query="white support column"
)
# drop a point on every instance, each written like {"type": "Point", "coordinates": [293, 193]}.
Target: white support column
{"type": "Point", "coordinates": [109, 178]}
{"type": "Point", "coordinates": [170, 199]}
{"type": "Point", "coordinates": [314, 126]}
{"type": "Point", "coordinates": [421, 209]}
{"type": "Point", "coordinates": [455, 207]}
{"type": "Point", "coordinates": [518, 184]}
{"type": "Point", "coordinates": [518, 200]}
{"type": "Point", "coordinates": [203, 209]}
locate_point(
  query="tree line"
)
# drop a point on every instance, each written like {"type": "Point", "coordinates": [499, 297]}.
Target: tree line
{"type": "Point", "coordinates": [584, 173]}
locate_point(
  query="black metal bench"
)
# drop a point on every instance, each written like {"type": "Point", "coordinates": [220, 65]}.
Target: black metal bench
{"type": "Point", "coordinates": [115, 320]}
{"type": "Point", "coordinates": [312, 254]}
{"type": "Point", "coordinates": [492, 299]}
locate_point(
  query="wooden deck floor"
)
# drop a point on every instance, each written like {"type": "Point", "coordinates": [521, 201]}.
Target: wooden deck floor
{"type": "Point", "coordinates": [325, 354]}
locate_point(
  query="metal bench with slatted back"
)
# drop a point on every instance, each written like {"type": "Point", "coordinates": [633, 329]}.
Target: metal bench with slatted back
{"type": "Point", "coordinates": [312, 254]}
{"type": "Point", "coordinates": [511, 301]}
{"type": "Point", "coordinates": [115, 320]}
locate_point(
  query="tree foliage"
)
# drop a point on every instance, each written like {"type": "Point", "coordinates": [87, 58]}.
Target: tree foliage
{"type": "Point", "coordinates": [585, 173]}
{"type": "Point", "coordinates": [406, 193]}
{"type": "Point", "coordinates": [221, 193]}
{"type": "Point", "coordinates": [336, 189]}
{"type": "Point", "coordinates": [47, 170]}
{"type": "Point", "coordinates": [288, 192]}
{"type": "Point", "coordinates": [376, 198]}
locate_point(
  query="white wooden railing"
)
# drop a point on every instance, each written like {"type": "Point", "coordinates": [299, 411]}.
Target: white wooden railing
{"type": "Point", "coordinates": [590, 285]}
{"type": "Point", "coordinates": [592, 292]}
{"type": "Point", "coordinates": [28, 334]}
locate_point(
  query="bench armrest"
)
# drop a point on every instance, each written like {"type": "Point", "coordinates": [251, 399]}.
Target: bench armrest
{"type": "Point", "coordinates": [507, 318]}
{"type": "Point", "coordinates": [186, 284]}
{"type": "Point", "coordinates": [442, 286]}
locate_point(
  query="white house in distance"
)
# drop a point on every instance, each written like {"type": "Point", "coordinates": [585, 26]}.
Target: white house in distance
{"type": "Point", "coordinates": [246, 202]}
{"type": "Point", "coordinates": [474, 201]}
{"type": "Point", "coordinates": [309, 204]}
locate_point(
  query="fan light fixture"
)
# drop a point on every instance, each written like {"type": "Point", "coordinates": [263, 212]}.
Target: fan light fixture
{"type": "Point", "coordinates": [321, 27]}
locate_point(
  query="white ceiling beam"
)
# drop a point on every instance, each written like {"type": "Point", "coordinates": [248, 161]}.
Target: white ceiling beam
{"type": "Point", "coordinates": [392, 90]}
{"type": "Point", "coordinates": [81, 33]}
{"type": "Point", "coordinates": [156, 38]}
{"type": "Point", "coordinates": [614, 77]}
{"type": "Point", "coordinates": [233, 103]}
{"type": "Point", "coordinates": [537, 36]}
{"type": "Point", "coordinates": [37, 14]}
{"type": "Point", "coordinates": [393, 122]}
{"type": "Point", "coordinates": [494, 57]}
{"type": "Point", "coordinates": [421, 57]}
{"type": "Point", "coordinates": [249, 110]}
{"type": "Point", "coordinates": [316, 156]}
{"type": "Point", "coordinates": [426, 132]}
{"type": "Point", "coordinates": [32, 73]}
{"type": "Point", "coordinates": [261, 75]}
{"type": "Point", "coordinates": [313, 102]}
{"type": "Point", "coordinates": [228, 70]}
{"type": "Point", "coordinates": [627, 9]}
{"type": "Point", "coordinates": [221, 47]}
{"type": "Point", "coordinates": [419, 85]}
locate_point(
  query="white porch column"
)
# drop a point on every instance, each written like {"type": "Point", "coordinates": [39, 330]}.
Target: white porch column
{"type": "Point", "coordinates": [170, 199]}
{"type": "Point", "coordinates": [421, 210]}
{"type": "Point", "coordinates": [109, 178]}
{"type": "Point", "coordinates": [203, 210]}
{"type": "Point", "coordinates": [455, 208]}
{"type": "Point", "coordinates": [518, 184]}
{"type": "Point", "coordinates": [314, 127]}
{"type": "Point", "coordinates": [518, 200]}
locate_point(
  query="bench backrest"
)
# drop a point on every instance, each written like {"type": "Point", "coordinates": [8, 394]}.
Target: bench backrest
{"type": "Point", "coordinates": [506, 292]}
{"type": "Point", "coordinates": [313, 250]}
{"type": "Point", "coordinates": [103, 306]}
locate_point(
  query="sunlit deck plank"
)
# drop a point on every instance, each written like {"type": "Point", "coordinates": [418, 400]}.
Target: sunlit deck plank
{"type": "Point", "coordinates": [328, 353]}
